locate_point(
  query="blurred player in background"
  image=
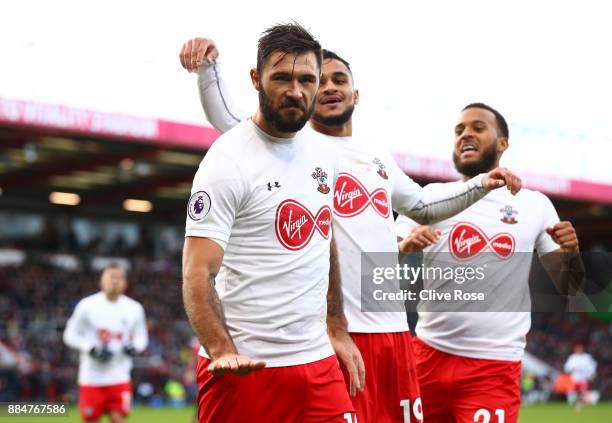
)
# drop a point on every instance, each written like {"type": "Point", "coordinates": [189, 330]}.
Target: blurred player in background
{"type": "Point", "coordinates": [256, 261]}
{"type": "Point", "coordinates": [469, 363]}
{"type": "Point", "coordinates": [108, 329]}
{"type": "Point", "coordinates": [581, 366]}
{"type": "Point", "coordinates": [369, 185]}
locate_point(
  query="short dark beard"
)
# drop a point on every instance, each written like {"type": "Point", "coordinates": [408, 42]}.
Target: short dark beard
{"type": "Point", "coordinates": [275, 120]}
{"type": "Point", "coordinates": [484, 165]}
{"type": "Point", "coordinates": [337, 120]}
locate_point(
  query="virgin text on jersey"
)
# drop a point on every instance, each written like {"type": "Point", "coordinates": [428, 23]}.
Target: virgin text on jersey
{"type": "Point", "coordinates": [295, 225]}
{"type": "Point", "coordinates": [467, 240]}
{"type": "Point", "coordinates": [352, 198]}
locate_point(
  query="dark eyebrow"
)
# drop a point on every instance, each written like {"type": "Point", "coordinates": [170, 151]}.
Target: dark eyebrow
{"type": "Point", "coordinates": [340, 73]}
{"type": "Point", "coordinates": [283, 73]}
{"type": "Point", "coordinates": [292, 75]}
{"type": "Point", "coordinates": [309, 76]}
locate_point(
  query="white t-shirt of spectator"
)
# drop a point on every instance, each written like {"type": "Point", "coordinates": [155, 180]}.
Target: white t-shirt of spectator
{"type": "Point", "coordinates": [499, 226]}
{"type": "Point", "coordinates": [268, 203]}
{"type": "Point", "coordinates": [97, 322]}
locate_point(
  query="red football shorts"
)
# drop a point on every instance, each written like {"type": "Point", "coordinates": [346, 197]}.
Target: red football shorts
{"type": "Point", "coordinates": [581, 386]}
{"type": "Point", "coordinates": [467, 390]}
{"type": "Point", "coordinates": [306, 393]}
{"type": "Point", "coordinates": [94, 401]}
{"type": "Point", "coordinates": [391, 393]}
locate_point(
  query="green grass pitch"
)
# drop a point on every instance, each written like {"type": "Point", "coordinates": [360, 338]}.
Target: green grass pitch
{"type": "Point", "coordinates": [546, 413]}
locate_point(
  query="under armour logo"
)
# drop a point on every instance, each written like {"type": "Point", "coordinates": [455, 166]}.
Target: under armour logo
{"type": "Point", "coordinates": [270, 186]}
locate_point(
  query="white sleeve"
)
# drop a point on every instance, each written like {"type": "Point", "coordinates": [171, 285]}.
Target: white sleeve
{"type": "Point", "coordinates": [216, 195]}
{"type": "Point", "coordinates": [433, 203]}
{"type": "Point", "coordinates": [140, 336]}
{"type": "Point", "coordinates": [569, 364]}
{"type": "Point", "coordinates": [403, 226]}
{"type": "Point", "coordinates": [544, 243]}
{"type": "Point", "coordinates": [593, 365]}
{"type": "Point", "coordinates": [77, 329]}
{"type": "Point", "coordinates": [218, 105]}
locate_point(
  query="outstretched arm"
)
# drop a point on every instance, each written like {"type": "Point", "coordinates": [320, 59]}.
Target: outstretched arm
{"type": "Point", "coordinates": [436, 202]}
{"type": "Point", "coordinates": [201, 261]}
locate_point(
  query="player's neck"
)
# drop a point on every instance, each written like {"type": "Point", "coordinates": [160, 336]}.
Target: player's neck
{"type": "Point", "coordinates": [260, 121]}
{"type": "Point", "coordinates": [466, 177]}
{"type": "Point", "coordinates": [112, 297]}
{"type": "Point", "coordinates": [344, 130]}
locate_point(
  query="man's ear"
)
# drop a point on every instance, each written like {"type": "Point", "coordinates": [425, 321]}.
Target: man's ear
{"type": "Point", "coordinates": [356, 96]}
{"type": "Point", "coordinates": [502, 144]}
{"type": "Point", "coordinates": [255, 78]}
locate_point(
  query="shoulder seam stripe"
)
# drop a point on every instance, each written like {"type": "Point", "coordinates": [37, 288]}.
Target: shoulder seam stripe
{"type": "Point", "coordinates": [221, 93]}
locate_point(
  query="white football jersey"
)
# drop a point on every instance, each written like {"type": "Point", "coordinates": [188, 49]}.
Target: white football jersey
{"type": "Point", "coordinates": [97, 321]}
{"type": "Point", "coordinates": [500, 224]}
{"type": "Point", "coordinates": [268, 202]}
{"type": "Point", "coordinates": [370, 186]}
{"type": "Point", "coordinates": [581, 367]}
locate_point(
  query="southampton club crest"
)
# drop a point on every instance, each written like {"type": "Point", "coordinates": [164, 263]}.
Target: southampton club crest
{"type": "Point", "coordinates": [321, 177]}
{"type": "Point", "coordinates": [381, 168]}
{"type": "Point", "coordinates": [508, 215]}
{"type": "Point", "coordinates": [199, 205]}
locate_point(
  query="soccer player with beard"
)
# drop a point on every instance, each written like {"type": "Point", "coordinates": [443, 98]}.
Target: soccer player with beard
{"type": "Point", "coordinates": [108, 329]}
{"type": "Point", "coordinates": [469, 363]}
{"type": "Point", "coordinates": [369, 185]}
{"type": "Point", "coordinates": [256, 259]}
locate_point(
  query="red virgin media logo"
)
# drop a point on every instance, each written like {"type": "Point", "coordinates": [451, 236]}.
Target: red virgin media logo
{"type": "Point", "coordinates": [295, 225]}
{"type": "Point", "coordinates": [351, 197]}
{"type": "Point", "coordinates": [467, 240]}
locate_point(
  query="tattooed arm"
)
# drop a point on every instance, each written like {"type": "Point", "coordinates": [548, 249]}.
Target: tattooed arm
{"type": "Point", "coordinates": [201, 261]}
{"type": "Point", "coordinates": [337, 326]}
{"type": "Point", "coordinates": [336, 321]}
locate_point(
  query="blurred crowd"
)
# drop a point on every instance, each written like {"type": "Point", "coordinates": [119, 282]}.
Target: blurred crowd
{"type": "Point", "coordinates": [81, 236]}
{"type": "Point", "coordinates": [35, 303]}
{"type": "Point", "coordinates": [37, 299]}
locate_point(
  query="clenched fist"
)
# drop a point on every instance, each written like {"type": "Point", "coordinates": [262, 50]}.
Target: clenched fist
{"type": "Point", "coordinates": [196, 51]}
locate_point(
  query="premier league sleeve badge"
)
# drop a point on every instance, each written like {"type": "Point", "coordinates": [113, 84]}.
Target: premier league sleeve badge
{"type": "Point", "coordinates": [199, 205]}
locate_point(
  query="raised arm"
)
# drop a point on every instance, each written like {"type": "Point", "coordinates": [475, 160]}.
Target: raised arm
{"type": "Point", "coordinates": [201, 55]}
